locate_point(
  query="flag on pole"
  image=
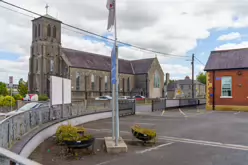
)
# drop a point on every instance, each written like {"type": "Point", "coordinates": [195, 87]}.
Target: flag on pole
{"type": "Point", "coordinates": [111, 18]}
{"type": "Point", "coordinates": [113, 65]}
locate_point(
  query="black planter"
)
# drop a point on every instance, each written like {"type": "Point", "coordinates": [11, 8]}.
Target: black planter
{"type": "Point", "coordinates": [80, 144]}
{"type": "Point", "coordinates": [140, 136]}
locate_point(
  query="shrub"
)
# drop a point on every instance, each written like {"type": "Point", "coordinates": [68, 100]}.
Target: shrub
{"type": "Point", "coordinates": [149, 132]}
{"type": "Point", "coordinates": [43, 98]}
{"type": "Point", "coordinates": [71, 133]}
{"type": "Point", "coordinates": [7, 101]}
{"type": "Point", "coordinates": [18, 97]}
{"type": "Point", "coordinates": [1, 100]}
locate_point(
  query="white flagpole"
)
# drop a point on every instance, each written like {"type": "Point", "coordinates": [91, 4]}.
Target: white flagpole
{"type": "Point", "coordinates": [117, 83]}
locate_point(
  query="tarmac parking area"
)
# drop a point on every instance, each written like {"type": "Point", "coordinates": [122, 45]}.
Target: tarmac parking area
{"type": "Point", "coordinates": [185, 137]}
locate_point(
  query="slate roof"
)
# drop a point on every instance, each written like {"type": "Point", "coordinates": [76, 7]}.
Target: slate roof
{"type": "Point", "coordinates": [227, 59]}
{"type": "Point", "coordinates": [142, 66]}
{"type": "Point", "coordinates": [86, 60]}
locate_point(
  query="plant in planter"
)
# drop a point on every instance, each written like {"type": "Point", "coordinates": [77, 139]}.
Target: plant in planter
{"type": "Point", "coordinates": [73, 137]}
{"type": "Point", "coordinates": [143, 134]}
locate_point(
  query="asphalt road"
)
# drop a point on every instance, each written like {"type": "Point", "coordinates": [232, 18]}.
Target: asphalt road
{"type": "Point", "coordinates": [185, 137]}
{"type": "Point", "coordinates": [193, 138]}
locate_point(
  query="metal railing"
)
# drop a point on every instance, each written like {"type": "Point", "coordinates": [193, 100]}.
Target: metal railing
{"type": "Point", "coordinates": [6, 157]}
{"type": "Point", "coordinates": [16, 126]}
{"type": "Point", "coordinates": [163, 104]}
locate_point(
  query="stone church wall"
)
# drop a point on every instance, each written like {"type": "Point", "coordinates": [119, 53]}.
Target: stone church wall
{"type": "Point", "coordinates": [87, 89]}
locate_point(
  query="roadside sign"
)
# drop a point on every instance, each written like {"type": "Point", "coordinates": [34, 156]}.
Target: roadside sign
{"type": "Point", "coordinates": [10, 81]}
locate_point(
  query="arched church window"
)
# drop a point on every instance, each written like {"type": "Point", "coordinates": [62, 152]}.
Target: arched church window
{"type": "Point", "coordinates": [156, 80]}
{"type": "Point", "coordinates": [106, 82]}
{"type": "Point", "coordinates": [39, 30]}
{"type": "Point", "coordinates": [35, 31]}
{"type": "Point", "coordinates": [77, 81]}
{"type": "Point", "coordinates": [92, 82]}
{"type": "Point", "coordinates": [49, 30]}
{"type": "Point", "coordinates": [54, 32]}
{"type": "Point", "coordinates": [128, 84]}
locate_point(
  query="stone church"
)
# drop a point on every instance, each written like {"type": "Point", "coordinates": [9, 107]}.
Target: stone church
{"type": "Point", "coordinates": [90, 73]}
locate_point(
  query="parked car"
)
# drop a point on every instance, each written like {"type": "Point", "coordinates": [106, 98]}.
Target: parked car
{"type": "Point", "coordinates": [124, 97]}
{"type": "Point", "coordinates": [138, 97]}
{"type": "Point", "coordinates": [27, 107]}
{"type": "Point", "coordinates": [104, 98]}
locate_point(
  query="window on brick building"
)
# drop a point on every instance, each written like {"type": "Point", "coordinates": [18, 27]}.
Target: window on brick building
{"type": "Point", "coordinates": [226, 86]}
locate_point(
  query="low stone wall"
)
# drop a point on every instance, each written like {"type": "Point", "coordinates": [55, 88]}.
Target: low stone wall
{"type": "Point", "coordinates": [163, 104]}
{"type": "Point", "coordinates": [15, 127]}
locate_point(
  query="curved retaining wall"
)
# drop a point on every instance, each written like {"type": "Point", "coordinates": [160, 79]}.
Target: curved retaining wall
{"type": "Point", "coordinates": [49, 131]}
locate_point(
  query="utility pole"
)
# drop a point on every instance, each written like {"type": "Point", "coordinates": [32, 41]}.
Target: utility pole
{"type": "Point", "coordinates": [193, 63]}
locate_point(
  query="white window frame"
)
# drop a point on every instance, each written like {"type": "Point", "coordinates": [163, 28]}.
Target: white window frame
{"type": "Point", "coordinates": [225, 77]}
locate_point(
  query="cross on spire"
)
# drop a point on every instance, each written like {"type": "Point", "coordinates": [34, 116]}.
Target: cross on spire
{"type": "Point", "coordinates": [47, 8]}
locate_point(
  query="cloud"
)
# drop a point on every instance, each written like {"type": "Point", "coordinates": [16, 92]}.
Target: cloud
{"type": "Point", "coordinates": [230, 36]}
{"type": "Point", "coordinates": [243, 44]}
{"type": "Point", "coordinates": [156, 26]}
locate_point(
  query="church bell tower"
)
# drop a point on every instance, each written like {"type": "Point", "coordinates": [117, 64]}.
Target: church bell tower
{"type": "Point", "coordinates": [45, 55]}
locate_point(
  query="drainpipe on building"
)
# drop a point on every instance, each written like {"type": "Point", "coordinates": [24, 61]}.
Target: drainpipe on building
{"type": "Point", "coordinates": [213, 90]}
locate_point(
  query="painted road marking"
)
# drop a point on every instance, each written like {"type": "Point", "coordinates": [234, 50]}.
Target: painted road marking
{"type": "Point", "coordinates": [182, 113]}
{"type": "Point", "coordinates": [192, 141]}
{"type": "Point", "coordinates": [206, 143]}
{"type": "Point", "coordinates": [236, 113]}
{"type": "Point", "coordinates": [130, 122]}
{"type": "Point", "coordinates": [153, 148]}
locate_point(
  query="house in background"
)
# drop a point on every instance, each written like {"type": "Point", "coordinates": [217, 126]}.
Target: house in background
{"type": "Point", "coordinates": [14, 88]}
{"type": "Point", "coordinates": [183, 89]}
{"type": "Point", "coordinates": [227, 80]}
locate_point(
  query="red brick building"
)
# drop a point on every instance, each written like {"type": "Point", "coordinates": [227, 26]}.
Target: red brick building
{"type": "Point", "coordinates": [227, 80]}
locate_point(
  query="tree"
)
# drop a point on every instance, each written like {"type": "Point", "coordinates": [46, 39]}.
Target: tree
{"type": "Point", "coordinates": [22, 87]}
{"type": "Point", "coordinates": [8, 101]}
{"type": "Point", "coordinates": [201, 77]}
{"type": "Point", "coordinates": [3, 89]}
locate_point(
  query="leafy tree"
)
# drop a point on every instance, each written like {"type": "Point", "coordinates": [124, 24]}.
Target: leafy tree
{"type": "Point", "coordinates": [7, 101]}
{"type": "Point", "coordinates": [171, 81]}
{"type": "Point", "coordinates": [18, 97]}
{"type": "Point", "coordinates": [22, 87]}
{"type": "Point", "coordinates": [3, 89]}
{"type": "Point", "coordinates": [1, 100]}
{"type": "Point", "coordinates": [201, 77]}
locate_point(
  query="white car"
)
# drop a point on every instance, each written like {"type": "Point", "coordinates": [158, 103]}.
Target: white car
{"type": "Point", "coordinates": [26, 107]}
{"type": "Point", "coordinates": [104, 98]}
{"type": "Point", "coordinates": [125, 98]}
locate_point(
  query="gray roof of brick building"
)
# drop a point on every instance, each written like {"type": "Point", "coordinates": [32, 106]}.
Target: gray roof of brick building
{"type": "Point", "coordinates": [227, 59]}
{"type": "Point", "coordinates": [86, 60]}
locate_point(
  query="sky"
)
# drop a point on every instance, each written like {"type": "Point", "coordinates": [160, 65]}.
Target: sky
{"type": "Point", "coordinates": [175, 27]}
